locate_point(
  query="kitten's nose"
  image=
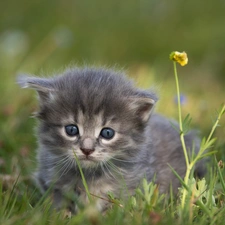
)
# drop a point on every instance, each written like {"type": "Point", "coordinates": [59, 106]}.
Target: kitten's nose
{"type": "Point", "coordinates": [87, 151]}
{"type": "Point", "coordinates": [87, 146]}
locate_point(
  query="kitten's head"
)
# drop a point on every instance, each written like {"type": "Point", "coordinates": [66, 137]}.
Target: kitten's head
{"type": "Point", "coordinates": [96, 114]}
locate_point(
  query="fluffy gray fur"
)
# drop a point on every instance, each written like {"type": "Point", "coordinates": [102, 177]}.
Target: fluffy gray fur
{"type": "Point", "coordinates": [92, 99]}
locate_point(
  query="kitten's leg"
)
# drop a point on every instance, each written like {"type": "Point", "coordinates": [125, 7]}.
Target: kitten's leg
{"type": "Point", "coordinates": [56, 194]}
{"type": "Point", "coordinates": [60, 202]}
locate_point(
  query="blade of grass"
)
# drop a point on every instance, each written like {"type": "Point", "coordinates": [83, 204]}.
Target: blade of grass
{"type": "Point", "coordinates": [83, 177]}
{"type": "Point", "coordinates": [179, 178]}
{"type": "Point", "coordinates": [220, 174]}
{"type": "Point", "coordinates": [10, 205]}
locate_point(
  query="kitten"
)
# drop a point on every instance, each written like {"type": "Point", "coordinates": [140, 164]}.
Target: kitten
{"type": "Point", "coordinates": [100, 116]}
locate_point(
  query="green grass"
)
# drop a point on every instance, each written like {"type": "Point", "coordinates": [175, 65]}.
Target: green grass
{"type": "Point", "coordinates": [21, 205]}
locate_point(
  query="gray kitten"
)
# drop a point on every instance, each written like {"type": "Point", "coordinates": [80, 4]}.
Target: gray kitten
{"type": "Point", "coordinates": [100, 116]}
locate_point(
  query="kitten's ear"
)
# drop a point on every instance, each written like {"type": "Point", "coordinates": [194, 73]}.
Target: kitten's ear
{"type": "Point", "coordinates": [43, 86]}
{"type": "Point", "coordinates": [142, 107]}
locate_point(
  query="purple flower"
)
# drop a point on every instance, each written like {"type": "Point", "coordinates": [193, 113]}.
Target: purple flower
{"type": "Point", "coordinates": [183, 99]}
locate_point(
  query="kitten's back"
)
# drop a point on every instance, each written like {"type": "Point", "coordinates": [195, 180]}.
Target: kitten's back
{"type": "Point", "coordinates": [168, 151]}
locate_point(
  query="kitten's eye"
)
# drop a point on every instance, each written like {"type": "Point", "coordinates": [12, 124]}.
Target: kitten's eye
{"type": "Point", "coordinates": [72, 130]}
{"type": "Point", "coordinates": [107, 133]}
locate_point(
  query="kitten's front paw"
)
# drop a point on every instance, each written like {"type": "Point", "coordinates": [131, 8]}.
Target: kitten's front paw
{"type": "Point", "coordinates": [67, 214]}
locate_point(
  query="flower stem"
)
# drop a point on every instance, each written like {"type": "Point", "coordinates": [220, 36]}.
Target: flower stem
{"type": "Point", "coordinates": [188, 165]}
{"type": "Point", "coordinates": [180, 116]}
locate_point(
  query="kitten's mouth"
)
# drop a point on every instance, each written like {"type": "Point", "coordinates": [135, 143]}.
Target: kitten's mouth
{"type": "Point", "coordinates": [87, 158]}
{"type": "Point", "coordinates": [88, 161]}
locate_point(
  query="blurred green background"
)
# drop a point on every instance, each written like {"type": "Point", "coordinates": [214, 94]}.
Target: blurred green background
{"type": "Point", "coordinates": [43, 37]}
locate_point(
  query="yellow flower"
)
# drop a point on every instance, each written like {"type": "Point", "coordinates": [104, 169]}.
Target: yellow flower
{"type": "Point", "coordinates": [180, 57]}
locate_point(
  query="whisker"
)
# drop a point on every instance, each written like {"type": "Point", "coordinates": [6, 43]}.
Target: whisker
{"type": "Point", "coordinates": [108, 167]}
{"type": "Point", "coordinates": [123, 160]}
{"type": "Point", "coordinates": [114, 167]}
{"type": "Point", "coordinates": [63, 163]}
{"type": "Point", "coordinates": [67, 166]}
{"type": "Point", "coordinates": [52, 160]}
{"type": "Point", "coordinates": [104, 167]}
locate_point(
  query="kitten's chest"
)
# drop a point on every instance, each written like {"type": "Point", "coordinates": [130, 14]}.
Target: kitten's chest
{"type": "Point", "coordinates": [98, 191]}
{"type": "Point", "coordinates": [97, 187]}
